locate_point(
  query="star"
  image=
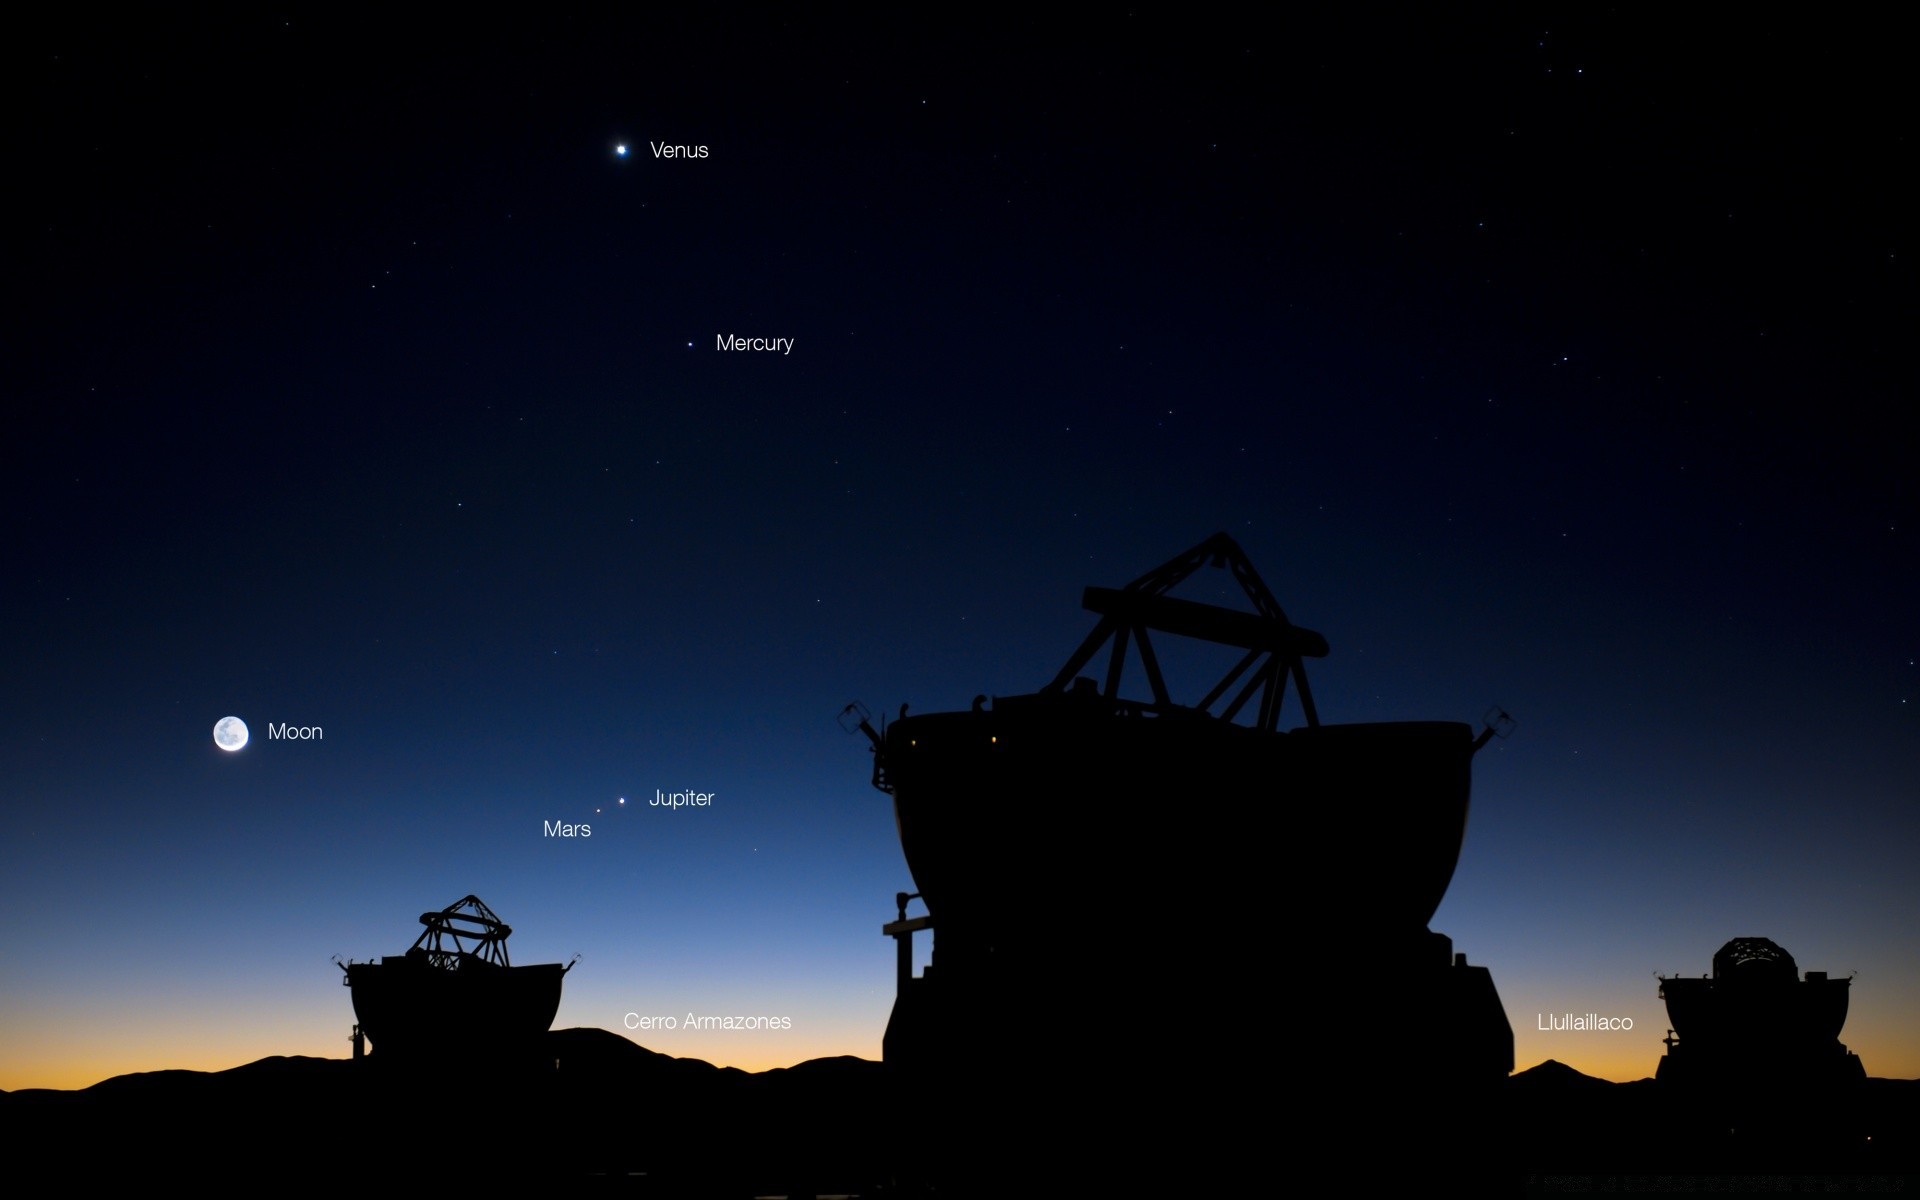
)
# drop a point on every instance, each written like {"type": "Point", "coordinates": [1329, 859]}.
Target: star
{"type": "Point", "coordinates": [620, 151]}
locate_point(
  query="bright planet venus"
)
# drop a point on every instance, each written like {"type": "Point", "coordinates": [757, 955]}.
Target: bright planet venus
{"type": "Point", "coordinates": [229, 733]}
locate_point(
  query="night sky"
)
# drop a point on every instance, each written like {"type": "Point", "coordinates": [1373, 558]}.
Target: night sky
{"type": "Point", "coordinates": [354, 379]}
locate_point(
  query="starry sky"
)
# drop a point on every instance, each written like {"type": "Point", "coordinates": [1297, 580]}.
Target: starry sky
{"type": "Point", "coordinates": [355, 380]}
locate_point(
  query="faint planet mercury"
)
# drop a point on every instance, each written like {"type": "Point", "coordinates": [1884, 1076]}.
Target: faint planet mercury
{"type": "Point", "coordinates": [229, 733]}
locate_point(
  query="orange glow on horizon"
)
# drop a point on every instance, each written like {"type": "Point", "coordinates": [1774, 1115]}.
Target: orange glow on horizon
{"type": "Point", "coordinates": [70, 1068]}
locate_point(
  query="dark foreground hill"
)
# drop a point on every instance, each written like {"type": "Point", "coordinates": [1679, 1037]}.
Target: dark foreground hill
{"type": "Point", "coordinates": [606, 1108]}
{"type": "Point", "coordinates": [611, 1114]}
{"type": "Point", "coordinates": [1574, 1133]}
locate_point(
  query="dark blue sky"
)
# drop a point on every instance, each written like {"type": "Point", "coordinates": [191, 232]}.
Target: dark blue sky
{"type": "Point", "coordinates": [355, 381]}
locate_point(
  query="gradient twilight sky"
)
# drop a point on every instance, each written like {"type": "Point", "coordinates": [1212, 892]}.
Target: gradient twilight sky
{"type": "Point", "coordinates": [354, 380]}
